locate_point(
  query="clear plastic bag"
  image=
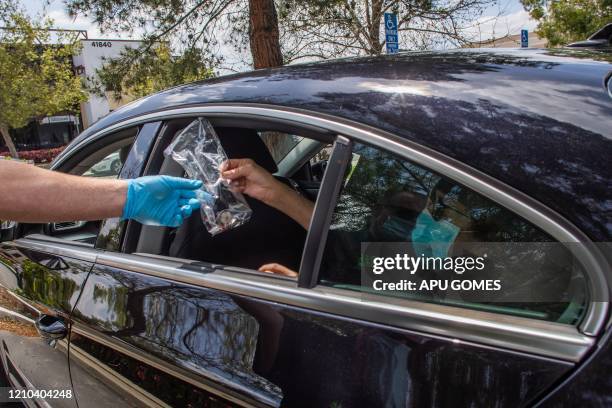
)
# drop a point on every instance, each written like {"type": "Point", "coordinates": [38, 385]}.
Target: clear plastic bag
{"type": "Point", "coordinates": [198, 150]}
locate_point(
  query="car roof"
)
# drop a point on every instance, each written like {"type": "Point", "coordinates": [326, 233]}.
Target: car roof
{"type": "Point", "coordinates": [538, 120]}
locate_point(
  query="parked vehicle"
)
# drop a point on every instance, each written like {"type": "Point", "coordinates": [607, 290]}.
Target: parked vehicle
{"type": "Point", "coordinates": [109, 166]}
{"type": "Point", "coordinates": [601, 38]}
{"type": "Point", "coordinates": [124, 314]}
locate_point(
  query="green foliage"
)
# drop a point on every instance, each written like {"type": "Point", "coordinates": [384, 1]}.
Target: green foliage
{"type": "Point", "coordinates": [309, 29]}
{"type": "Point", "coordinates": [141, 71]}
{"type": "Point", "coordinates": [188, 27]}
{"type": "Point", "coordinates": [37, 78]}
{"type": "Point", "coordinates": [188, 23]}
{"type": "Point", "coordinates": [47, 286]}
{"type": "Point", "coordinates": [324, 29]}
{"type": "Point", "coordinates": [565, 21]}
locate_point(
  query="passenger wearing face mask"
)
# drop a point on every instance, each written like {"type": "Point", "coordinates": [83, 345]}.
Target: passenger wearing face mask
{"type": "Point", "coordinates": [434, 234]}
{"type": "Point", "coordinates": [397, 217]}
{"type": "Point", "coordinates": [402, 216]}
{"type": "Point", "coordinates": [393, 221]}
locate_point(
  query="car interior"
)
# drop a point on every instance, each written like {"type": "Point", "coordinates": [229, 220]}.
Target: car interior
{"type": "Point", "coordinates": [270, 235]}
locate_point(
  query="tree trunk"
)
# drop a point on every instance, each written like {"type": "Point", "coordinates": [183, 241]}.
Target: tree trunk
{"type": "Point", "coordinates": [8, 141]}
{"type": "Point", "coordinates": [264, 35]}
{"type": "Point", "coordinates": [374, 29]}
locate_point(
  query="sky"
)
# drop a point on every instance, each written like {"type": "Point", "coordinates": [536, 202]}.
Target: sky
{"type": "Point", "coordinates": [508, 17]}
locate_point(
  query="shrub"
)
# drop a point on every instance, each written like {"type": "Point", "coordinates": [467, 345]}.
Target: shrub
{"type": "Point", "coordinates": [40, 155]}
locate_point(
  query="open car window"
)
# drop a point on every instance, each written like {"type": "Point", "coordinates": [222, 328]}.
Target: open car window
{"type": "Point", "coordinates": [101, 161]}
{"type": "Point", "coordinates": [270, 236]}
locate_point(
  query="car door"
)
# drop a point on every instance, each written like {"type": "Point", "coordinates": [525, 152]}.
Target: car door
{"type": "Point", "coordinates": [38, 291]}
{"type": "Point", "coordinates": [41, 278]}
{"type": "Point", "coordinates": [156, 342]}
{"type": "Point", "coordinates": [178, 331]}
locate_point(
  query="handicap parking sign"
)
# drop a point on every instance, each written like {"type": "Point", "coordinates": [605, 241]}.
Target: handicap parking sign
{"type": "Point", "coordinates": [524, 38]}
{"type": "Point", "coordinates": [391, 35]}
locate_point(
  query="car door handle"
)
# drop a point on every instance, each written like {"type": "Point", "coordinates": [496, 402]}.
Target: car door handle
{"type": "Point", "coordinates": [51, 328]}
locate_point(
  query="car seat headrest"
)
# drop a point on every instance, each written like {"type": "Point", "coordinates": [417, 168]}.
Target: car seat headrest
{"type": "Point", "coordinates": [240, 143]}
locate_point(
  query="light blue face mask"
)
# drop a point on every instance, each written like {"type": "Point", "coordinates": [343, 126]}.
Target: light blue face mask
{"type": "Point", "coordinates": [431, 237]}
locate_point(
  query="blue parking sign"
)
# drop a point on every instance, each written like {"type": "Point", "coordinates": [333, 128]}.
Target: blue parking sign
{"type": "Point", "coordinates": [391, 35]}
{"type": "Point", "coordinates": [524, 38]}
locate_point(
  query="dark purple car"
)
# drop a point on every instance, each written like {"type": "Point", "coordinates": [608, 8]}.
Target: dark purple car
{"type": "Point", "coordinates": [504, 146]}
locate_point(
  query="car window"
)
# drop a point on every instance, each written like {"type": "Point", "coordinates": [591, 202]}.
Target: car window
{"type": "Point", "coordinates": [108, 167]}
{"type": "Point", "coordinates": [270, 236]}
{"type": "Point", "coordinates": [386, 199]}
{"type": "Point", "coordinates": [279, 143]}
{"type": "Point", "coordinates": [105, 161]}
{"type": "Point", "coordinates": [318, 162]}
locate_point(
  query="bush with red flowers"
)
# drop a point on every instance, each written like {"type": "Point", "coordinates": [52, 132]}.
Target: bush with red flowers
{"type": "Point", "coordinates": [40, 155]}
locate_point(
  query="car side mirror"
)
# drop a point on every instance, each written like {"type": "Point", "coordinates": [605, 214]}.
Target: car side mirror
{"type": "Point", "coordinates": [7, 230]}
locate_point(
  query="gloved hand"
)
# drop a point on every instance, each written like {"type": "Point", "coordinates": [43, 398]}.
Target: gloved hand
{"type": "Point", "coordinates": [161, 200]}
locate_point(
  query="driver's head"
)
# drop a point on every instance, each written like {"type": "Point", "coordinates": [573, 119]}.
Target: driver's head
{"type": "Point", "coordinates": [396, 216]}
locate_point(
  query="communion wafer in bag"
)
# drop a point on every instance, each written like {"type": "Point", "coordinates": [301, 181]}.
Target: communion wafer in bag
{"type": "Point", "coordinates": [198, 150]}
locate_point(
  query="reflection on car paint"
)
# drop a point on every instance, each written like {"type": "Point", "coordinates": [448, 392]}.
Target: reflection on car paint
{"type": "Point", "coordinates": [198, 329]}
{"type": "Point", "coordinates": [33, 284]}
{"type": "Point", "coordinates": [279, 354]}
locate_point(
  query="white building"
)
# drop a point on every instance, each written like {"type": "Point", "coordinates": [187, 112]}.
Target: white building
{"type": "Point", "coordinates": [93, 53]}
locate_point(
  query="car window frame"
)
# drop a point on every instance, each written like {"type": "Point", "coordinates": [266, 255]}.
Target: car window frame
{"type": "Point", "coordinates": [145, 134]}
{"type": "Point", "coordinates": [154, 164]}
{"type": "Point", "coordinates": [544, 338]}
{"type": "Point", "coordinates": [133, 167]}
{"type": "Point", "coordinates": [313, 280]}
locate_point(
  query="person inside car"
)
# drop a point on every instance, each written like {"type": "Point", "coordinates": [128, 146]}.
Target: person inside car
{"type": "Point", "coordinates": [249, 178]}
{"type": "Point", "coordinates": [394, 221]}
{"type": "Point", "coordinates": [402, 216]}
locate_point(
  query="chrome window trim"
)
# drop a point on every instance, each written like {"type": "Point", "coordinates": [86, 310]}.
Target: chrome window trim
{"type": "Point", "coordinates": [525, 206]}
{"type": "Point", "coordinates": [485, 329]}
{"type": "Point", "coordinates": [59, 247]}
{"type": "Point", "coordinates": [524, 335]}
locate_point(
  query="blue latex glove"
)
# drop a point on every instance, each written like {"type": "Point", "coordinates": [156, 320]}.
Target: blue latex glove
{"type": "Point", "coordinates": [161, 200]}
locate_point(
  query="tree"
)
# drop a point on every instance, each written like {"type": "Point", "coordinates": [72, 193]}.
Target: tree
{"type": "Point", "coordinates": [332, 28]}
{"type": "Point", "coordinates": [565, 21]}
{"type": "Point", "coordinates": [37, 77]}
{"type": "Point", "coordinates": [193, 24]}
{"type": "Point", "coordinates": [137, 72]}
{"type": "Point", "coordinates": [264, 34]}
